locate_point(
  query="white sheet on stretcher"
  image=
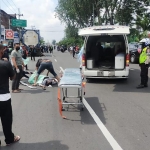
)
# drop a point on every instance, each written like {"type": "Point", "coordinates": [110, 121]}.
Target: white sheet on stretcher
{"type": "Point", "coordinates": [71, 76]}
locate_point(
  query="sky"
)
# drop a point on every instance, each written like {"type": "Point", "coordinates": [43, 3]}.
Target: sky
{"type": "Point", "coordinates": [39, 14]}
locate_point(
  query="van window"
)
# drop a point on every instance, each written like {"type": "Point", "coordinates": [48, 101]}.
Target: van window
{"type": "Point", "coordinates": [104, 49]}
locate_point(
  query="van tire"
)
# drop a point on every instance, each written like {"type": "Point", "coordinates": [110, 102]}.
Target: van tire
{"type": "Point", "coordinates": [88, 80]}
{"type": "Point", "coordinates": [125, 79]}
{"type": "Point", "coordinates": [132, 59]}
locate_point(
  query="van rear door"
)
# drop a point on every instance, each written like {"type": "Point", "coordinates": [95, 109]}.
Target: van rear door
{"type": "Point", "coordinates": [104, 30]}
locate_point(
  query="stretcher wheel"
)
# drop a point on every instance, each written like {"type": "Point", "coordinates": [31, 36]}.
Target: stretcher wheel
{"type": "Point", "coordinates": [62, 109]}
{"type": "Point", "coordinates": [82, 109]}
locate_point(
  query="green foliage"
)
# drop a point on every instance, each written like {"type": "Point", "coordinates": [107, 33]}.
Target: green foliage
{"type": "Point", "coordinates": [42, 42]}
{"type": "Point", "coordinates": [71, 41]}
{"type": "Point", "coordinates": [54, 42]}
{"type": "Point", "coordinates": [81, 13]}
{"type": "Point", "coordinates": [143, 21]}
{"type": "Point", "coordinates": [136, 36]}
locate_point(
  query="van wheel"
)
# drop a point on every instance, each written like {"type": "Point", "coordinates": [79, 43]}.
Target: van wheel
{"type": "Point", "coordinates": [125, 79]}
{"type": "Point", "coordinates": [87, 80]}
{"type": "Point", "coordinates": [132, 59]}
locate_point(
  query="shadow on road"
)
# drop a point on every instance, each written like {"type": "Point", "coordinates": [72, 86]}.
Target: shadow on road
{"type": "Point", "coordinates": [35, 91]}
{"type": "Point", "coordinates": [86, 118]}
{"type": "Point", "coordinates": [1, 133]}
{"type": "Point", "coordinates": [50, 145]}
{"type": "Point", "coordinates": [98, 108]}
{"type": "Point", "coordinates": [122, 85]}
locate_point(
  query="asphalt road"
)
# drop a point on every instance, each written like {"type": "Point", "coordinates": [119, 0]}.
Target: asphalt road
{"type": "Point", "coordinates": [122, 111]}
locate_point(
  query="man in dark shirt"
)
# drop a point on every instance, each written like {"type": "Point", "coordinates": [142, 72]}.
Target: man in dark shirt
{"type": "Point", "coordinates": [6, 72]}
{"type": "Point", "coordinates": [6, 52]}
{"type": "Point", "coordinates": [33, 52]}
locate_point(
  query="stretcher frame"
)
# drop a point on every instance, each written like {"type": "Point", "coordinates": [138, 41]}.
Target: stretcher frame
{"type": "Point", "coordinates": [72, 78]}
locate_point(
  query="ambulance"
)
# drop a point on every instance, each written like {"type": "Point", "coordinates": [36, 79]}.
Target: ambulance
{"type": "Point", "coordinates": [106, 52]}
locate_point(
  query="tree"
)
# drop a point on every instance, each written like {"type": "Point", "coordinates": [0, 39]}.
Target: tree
{"type": "Point", "coordinates": [54, 42]}
{"type": "Point", "coordinates": [143, 22]}
{"type": "Point", "coordinates": [82, 13]}
{"type": "Point", "coordinates": [42, 40]}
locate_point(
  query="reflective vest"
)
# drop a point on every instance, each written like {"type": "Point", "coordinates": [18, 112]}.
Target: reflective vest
{"type": "Point", "coordinates": [143, 56]}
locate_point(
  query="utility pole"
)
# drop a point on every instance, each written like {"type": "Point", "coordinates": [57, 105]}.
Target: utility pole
{"type": "Point", "coordinates": [93, 15]}
{"type": "Point", "coordinates": [19, 14]}
{"type": "Point", "coordinates": [33, 27]}
{"type": "Point", "coordinates": [0, 22]}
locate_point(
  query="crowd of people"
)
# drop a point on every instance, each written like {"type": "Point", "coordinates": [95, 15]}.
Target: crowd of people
{"type": "Point", "coordinates": [13, 68]}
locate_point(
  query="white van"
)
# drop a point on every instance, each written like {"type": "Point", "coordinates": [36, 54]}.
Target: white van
{"type": "Point", "coordinates": [106, 53]}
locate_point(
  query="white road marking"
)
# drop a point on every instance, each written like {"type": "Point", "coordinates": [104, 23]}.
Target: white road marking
{"type": "Point", "coordinates": [55, 60]}
{"type": "Point", "coordinates": [101, 126]}
{"type": "Point", "coordinates": [104, 130]}
{"type": "Point", "coordinates": [61, 69]}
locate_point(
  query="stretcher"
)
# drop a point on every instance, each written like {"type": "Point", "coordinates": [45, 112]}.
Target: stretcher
{"type": "Point", "coordinates": [71, 79]}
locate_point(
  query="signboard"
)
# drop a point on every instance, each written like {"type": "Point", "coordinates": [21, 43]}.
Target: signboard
{"type": "Point", "coordinates": [16, 34]}
{"type": "Point", "coordinates": [18, 23]}
{"type": "Point", "coordinates": [9, 34]}
{"type": "Point", "coordinates": [16, 40]}
{"type": "Point", "coordinates": [31, 37]}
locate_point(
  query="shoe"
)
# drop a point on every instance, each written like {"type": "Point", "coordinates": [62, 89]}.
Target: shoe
{"type": "Point", "coordinates": [16, 91]}
{"type": "Point", "coordinates": [140, 86]}
{"type": "Point", "coordinates": [16, 139]}
{"type": "Point", "coordinates": [19, 89]}
{"type": "Point", "coordinates": [145, 85]}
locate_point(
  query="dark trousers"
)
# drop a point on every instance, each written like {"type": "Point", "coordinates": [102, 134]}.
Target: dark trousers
{"type": "Point", "coordinates": [26, 67]}
{"type": "Point", "coordinates": [48, 66]}
{"type": "Point", "coordinates": [24, 74]}
{"type": "Point", "coordinates": [16, 81]}
{"type": "Point", "coordinates": [73, 53]}
{"type": "Point", "coordinates": [6, 119]}
{"type": "Point", "coordinates": [144, 74]}
{"type": "Point", "coordinates": [33, 56]}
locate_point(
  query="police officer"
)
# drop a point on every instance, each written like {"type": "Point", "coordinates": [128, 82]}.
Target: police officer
{"type": "Point", "coordinates": [144, 63]}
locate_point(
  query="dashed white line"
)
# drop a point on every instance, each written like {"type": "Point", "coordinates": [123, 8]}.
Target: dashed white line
{"type": "Point", "coordinates": [101, 126]}
{"type": "Point", "coordinates": [55, 60]}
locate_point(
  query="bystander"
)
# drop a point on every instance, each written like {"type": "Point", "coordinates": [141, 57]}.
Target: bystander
{"type": "Point", "coordinates": [6, 72]}
{"type": "Point", "coordinates": [17, 63]}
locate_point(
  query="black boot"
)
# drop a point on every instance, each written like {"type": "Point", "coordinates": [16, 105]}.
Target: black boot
{"type": "Point", "coordinates": [145, 85]}
{"type": "Point", "coordinates": [140, 86]}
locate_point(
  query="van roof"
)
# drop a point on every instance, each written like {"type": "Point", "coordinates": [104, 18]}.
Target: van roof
{"type": "Point", "coordinates": [104, 30]}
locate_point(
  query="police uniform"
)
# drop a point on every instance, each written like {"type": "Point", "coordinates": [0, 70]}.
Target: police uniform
{"type": "Point", "coordinates": [143, 62]}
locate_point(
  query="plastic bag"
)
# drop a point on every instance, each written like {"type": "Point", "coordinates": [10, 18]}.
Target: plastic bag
{"type": "Point", "coordinates": [25, 61]}
{"type": "Point", "coordinates": [31, 79]}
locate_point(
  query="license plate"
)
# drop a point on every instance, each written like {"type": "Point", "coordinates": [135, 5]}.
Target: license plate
{"type": "Point", "coordinates": [100, 73]}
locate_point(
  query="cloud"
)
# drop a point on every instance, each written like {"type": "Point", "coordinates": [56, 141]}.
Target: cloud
{"type": "Point", "coordinates": [41, 15]}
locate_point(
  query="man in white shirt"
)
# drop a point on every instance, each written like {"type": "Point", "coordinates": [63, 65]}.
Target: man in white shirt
{"type": "Point", "coordinates": [6, 72]}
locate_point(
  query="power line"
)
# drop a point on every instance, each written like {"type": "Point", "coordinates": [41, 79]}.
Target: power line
{"type": "Point", "coordinates": [14, 4]}
{"type": "Point", "coordinates": [51, 31]}
{"type": "Point", "coordinates": [8, 6]}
